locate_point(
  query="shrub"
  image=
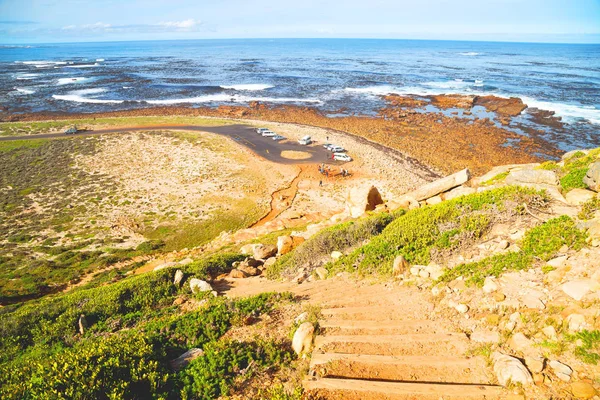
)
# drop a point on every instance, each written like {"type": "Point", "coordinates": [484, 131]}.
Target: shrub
{"type": "Point", "coordinates": [340, 237]}
{"type": "Point", "coordinates": [589, 208]}
{"type": "Point", "coordinates": [573, 179]}
{"type": "Point", "coordinates": [545, 240]}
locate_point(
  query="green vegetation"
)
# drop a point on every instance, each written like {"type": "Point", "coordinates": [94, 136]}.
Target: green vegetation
{"type": "Point", "coordinates": [32, 128]}
{"type": "Point", "coordinates": [541, 242]}
{"type": "Point", "coordinates": [589, 350]}
{"type": "Point", "coordinates": [132, 333]}
{"type": "Point", "coordinates": [317, 249]}
{"type": "Point", "coordinates": [589, 208]}
{"type": "Point", "coordinates": [498, 178]}
{"type": "Point", "coordinates": [436, 231]}
{"type": "Point", "coordinates": [572, 173]}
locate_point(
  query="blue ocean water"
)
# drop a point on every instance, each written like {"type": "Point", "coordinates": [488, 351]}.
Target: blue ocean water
{"type": "Point", "coordinates": [330, 74]}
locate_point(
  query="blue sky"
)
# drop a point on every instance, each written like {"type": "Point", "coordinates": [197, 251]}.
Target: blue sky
{"type": "Point", "coordinates": [37, 21]}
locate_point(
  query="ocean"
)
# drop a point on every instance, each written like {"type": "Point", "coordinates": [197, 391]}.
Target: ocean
{"type": "Point", "coordinates": [338, 76]}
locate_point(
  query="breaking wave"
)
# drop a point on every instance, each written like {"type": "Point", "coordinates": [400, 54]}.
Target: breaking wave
{"type": "Point", "coordinates": [248, 86]}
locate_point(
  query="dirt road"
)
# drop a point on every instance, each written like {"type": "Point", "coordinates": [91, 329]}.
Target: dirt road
{"type": "Point", "coordinates": [265, 147]}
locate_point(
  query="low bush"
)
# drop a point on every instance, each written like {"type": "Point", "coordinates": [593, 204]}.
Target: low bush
{"type": "Point", "coordinates": [312, 252]}
{"type": "Point", "coordinates": [589, 208]}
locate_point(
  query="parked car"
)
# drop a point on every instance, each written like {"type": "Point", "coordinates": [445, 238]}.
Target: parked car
{"type": "Point", "coordinates": [268, 133]}
{"type": "Point", "coordinates": [261, 130]}
{"type": "Point", "coordinates": [278, 137]}
{"type": "Point", "coordinates": [328, 145]}
{"type": "Point", "coordinates": [341, 157]}
{"type": "Point", "coordinates": [305, 141]}
{"type": "Point", "coordinates": [336, 149]}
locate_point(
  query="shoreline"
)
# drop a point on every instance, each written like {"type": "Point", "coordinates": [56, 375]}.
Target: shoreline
{"type": "Point", "coordinates": [444, 143]}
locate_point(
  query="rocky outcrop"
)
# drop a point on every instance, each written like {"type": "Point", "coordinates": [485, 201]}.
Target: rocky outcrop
{"type": "Point", "coordinates": [362, 199]}
{"type": "Point", "coordinates": [577, 197]}
{"type": "Point", "coordinates": [532, 176]}
{"type": "Point", "coordinates": [592, 177]}
{"type": "Point", "coordinates": [183, 360]}
{"type": "Point", "coordinates": [512, 106]}
{"type": "Point", "coordinates": [439, 186]}
{"type": "Point", "coordinates": [264, 251]}
{"type": "Point", "coordinates": [178, 277]}
{"type": "Point", "coordinates": [198, 285]}
{"type": "Point", "coordinates": [510, 370]}
{"type": "Point", "coordinates": [303, 337]}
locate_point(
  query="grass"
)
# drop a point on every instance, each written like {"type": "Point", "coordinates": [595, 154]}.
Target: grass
{"type": "Point", "coordinates": [589, 349]}
{"type": "Point", "coordinates": [498, 178]}
{"type": "Point", "coordinates": [19, 144]}
{"type": "Point", "coordinates": [436, 231]}
{"type": "Point", "coordinates": [574, 170]}
{"type": "Point", "coordinates": [589, 208]}
{"type": "Point", "coordinates": [539, 243]}
{"type": "Point", "coordinates": [132, 332]}
{"type": "Point", "coordinates": [316, 250]}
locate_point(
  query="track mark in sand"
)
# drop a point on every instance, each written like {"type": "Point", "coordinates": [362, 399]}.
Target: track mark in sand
{"type": "Point", "coordinates": [282, 199]}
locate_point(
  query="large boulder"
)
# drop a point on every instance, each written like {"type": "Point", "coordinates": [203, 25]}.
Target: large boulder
{"type": "Point", "coordinates": [510, 370]}
{"type": "Point", "coordinates": [178, 277]}
{"type": "Point", "coordinates": [440, 186]}
{"type": "Point", "coordinates": [198, 285]}
{"type": "Point", "coordinates": [303, 337]}
{"type": "Point", "coordinates": [400, 266]}
{"type": "Point", "coordinates": [458, 192]}
{"type": "Point", "coordinates": [362, 199]}
{"type": "Point", "coordinates": [532, 176]}
{"type": "Point", "coordinates": [577, 197]}
{"type": "Point", "coordinates": [592, 177]}
{"type": "Point", "coordinates": [264, 251]}
{"type": "Point", "coordinates": [285, 244]}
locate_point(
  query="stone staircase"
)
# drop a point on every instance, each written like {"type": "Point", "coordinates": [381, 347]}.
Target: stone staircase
{"type": "Point", "coordinates": [372, 346]}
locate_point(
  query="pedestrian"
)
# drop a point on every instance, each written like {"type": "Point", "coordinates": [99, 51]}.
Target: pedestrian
{"type": "Point", "coordinates": [320, 183]}
{"type": "Point", "coordinates": [327, 173]}
{"type": "Point", "coordinates": [327, 138]}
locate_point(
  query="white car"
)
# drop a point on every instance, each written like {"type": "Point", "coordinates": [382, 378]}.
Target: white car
{"type": "Point", "coordinates": [278, 137]}
{"type": "Point", "coordinates": [327, 145]}
{"type": "Point", "coordinates": [261, 130]}
{"type": "Point", "coordinates": [268, 134]}
{"type": "Point", "coordinates": [336, 149]}
{"type": "Point", "coordinates": [341, 157]}
{"type": "Point", "coordinates": [305, 141]}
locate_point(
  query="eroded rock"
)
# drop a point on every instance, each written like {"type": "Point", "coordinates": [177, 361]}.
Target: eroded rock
{"type": "Point", "coordinates": [510, 369]}
{"type": "Point", "coordinates": [302, 341]}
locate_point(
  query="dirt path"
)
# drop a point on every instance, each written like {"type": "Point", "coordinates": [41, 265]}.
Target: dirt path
{"type": "Point", "coordinates": [381, 341]}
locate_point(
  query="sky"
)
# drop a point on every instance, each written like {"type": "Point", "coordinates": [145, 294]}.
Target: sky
{"type": "Point", "coordinates": [47, 21]}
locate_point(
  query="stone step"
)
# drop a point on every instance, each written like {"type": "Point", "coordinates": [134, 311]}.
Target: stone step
{"type": "Point", "coordinates": [405, 368]}
{"type": "Point", "coordinates": [374, 327]}
{"type": "Point", "coordinates": [368, 313]}
{"type": "Point", "coordinates": [354, 389]}
{"type": "Point", "coordinates": [394, 345]}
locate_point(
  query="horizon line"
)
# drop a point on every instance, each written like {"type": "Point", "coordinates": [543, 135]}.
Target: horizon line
{"type": "Point", "coordinates": [305, 38]}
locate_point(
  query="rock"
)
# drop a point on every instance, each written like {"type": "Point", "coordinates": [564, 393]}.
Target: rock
{"type": "Point", "coordinates": [415, 271]}
{"type": "Point", "coordinates": [562, 371]}
{"type": "Point", "coordinates": [576, 322]}
{"type": "Point", "coordinates": [499, 296]}
{"type": "Point", "coordinates": [248, 270]}
{"type": "Point", "coordinates": [569, 154]}
{"type": "Point", "coordinates": [578, 196]}
{"type": "Point", "coordinates": [264, 251]}
{"type": "Point", "coordinates": [321, 273]}
{"type": "Point", "coordinates": [510, 369]}
{"type": "Point", "coordinates": [400, 265]}
{"type": "Point", "coordinates": [433, 200]}
{"type": "Point", "coordinates": [186, 261]}
{"type": "Point", "coordinates": [550, 332]}
{"type": "Point", "coordinates": [82, 324]}
{"type": "Point", "coordinates": [178, 277]}
{"type": "Point", "coordinates": [435, 271]}
{"type": "Point", "coordinates": [485, 336]}
{"type": "Point", "coordinates": [423, 274]}
{"type": "Point", "coordinates": [462, 308]}
{"type": "Point", "coordinates": [535, 176]}
{"type": "Point", "coordinates": [503, 245]}
{"type": "Point", "coordinates": [183, 360]}
{"type": "Point", "coordinates": [535, 363]}
{"type": "Point", "coordinates": [458, 192]}
{"type": "Point", "coordinates": [532, 301]}
{"type": "Point", "coordinates": [165, 265]}
{"type": "Point", "coordinates": [405, 202]}
{"type": "Point", "coordinates": [558, 261]}
{"type": "Point", "coordinates": [301, 318]}
{"type": "Point", "coordinates": [439, 186]}
{"type": "Point", "coordinates": [237, 274]}
{"type": "Point", "coordinates": [285, 244]}
{"type": "Point", "coordinates": [270, 261]}
{"type": "Point", "coordinates": [198, 285]}
{"type": "Point", "coordinates": [362, 199]}
{"type": "Point", "coordinates": [521, 343]}
{"type": "Point", "coordinates": [489, 285]}
{"type": "Point", "coordinates": [251, 262]}
{"type": "Point", "coordinates": [578, 289]}
{"type": "Point", "coordinates": [336, 255]}
{"type": "Point", "coordinates": [592, 177]}
{"type": "Point", "coordinates": [582, 390]}
{"type": "Point", "coordinates": [303, 337]}
{"type": "Point", "coordinates": [178, 301]}
{"type": "Point", "coordinates": [249, 248]}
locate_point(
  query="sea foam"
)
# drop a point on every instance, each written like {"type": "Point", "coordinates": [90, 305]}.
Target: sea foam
{"type": "Point", "coordinates": [249, 86]}
{"type": "Point", "coordinates": [67, 81]}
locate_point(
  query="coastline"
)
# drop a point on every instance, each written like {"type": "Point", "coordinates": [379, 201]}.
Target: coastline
{"type": "Point", "coordinates": [445, 143]}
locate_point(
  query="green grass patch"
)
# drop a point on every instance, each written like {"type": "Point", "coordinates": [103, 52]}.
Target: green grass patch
{"type": "Point", "coordinates": [573, 179]}
{"type": "Point", "coordinates": [498, 178]}
{"type": "Point", "coordinates": [589, 350]}
{"type": "Point", "coordinates": [589, 208]}
{"type": "Point", "coordinates": [316, 250]}
{"type": "Point", "coordinates": [420, 233]}
{"type": "Point", "coordinates": [11, 145]}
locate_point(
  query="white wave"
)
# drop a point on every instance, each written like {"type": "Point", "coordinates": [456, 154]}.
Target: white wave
{"type": "Point", "coordinates": [78, 97]}
{"type": "Point", "coordinates": [569, 112]}
{"type": "Point", "coordinates": [375, 90]}
{"type": "Point", "coordinates": [42, 64]}
{"type": "Point", "coordinates": [83, 66]}
{"type": "Point", "coordinates": [99, 59]}
{"type": "Point", "coordinates": [249, 86]}
{"type": "Point", "coordinates": [25, 91]}
{"type": "Point", "coordinates": [26, 77]}
{"type": "Point", "coordinates": [232, 98]}
{"type": "Point", "coordinates": [67, 81]}
{"type": "Point", "coordinates": [470, 53]}
{"type": "Point", "coordinates": [127, 87]}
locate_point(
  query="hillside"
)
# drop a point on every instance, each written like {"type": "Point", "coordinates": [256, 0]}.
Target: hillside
{"type": "Point", "coordinates": [169, 264]}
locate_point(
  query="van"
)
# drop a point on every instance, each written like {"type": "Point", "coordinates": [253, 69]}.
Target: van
{"type": "Point", "coordinates": [305, 141]}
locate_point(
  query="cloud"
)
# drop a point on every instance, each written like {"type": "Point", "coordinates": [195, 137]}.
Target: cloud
{"type": "Point", "coordinates": [17, 22]}
{"type": "Point", "coordinates": [188, 25]}
{"type": "Point", "coordinates": [98, 26]}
